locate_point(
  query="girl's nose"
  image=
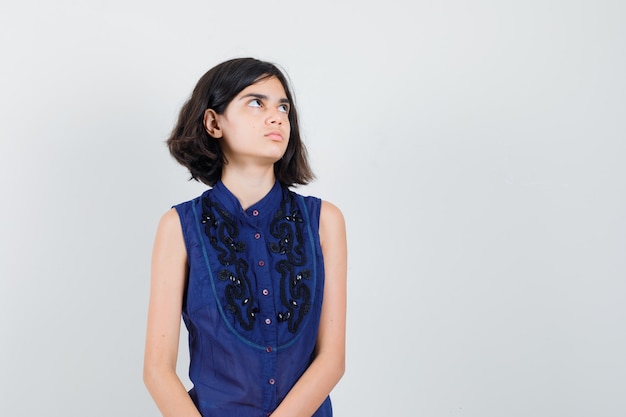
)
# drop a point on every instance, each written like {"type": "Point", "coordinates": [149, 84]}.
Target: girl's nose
{"type": "Point", "coordinates": [276, 117]}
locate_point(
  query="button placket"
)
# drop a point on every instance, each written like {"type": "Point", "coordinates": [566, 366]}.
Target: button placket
{"type": "Point", "coordinates": [263, 259]}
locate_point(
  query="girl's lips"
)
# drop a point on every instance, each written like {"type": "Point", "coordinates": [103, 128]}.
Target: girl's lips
{"type": "Point", "coordinates": [275, 136]}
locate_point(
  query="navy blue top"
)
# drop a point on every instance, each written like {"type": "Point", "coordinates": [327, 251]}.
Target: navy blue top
{"type": "Point", "coordinates": [253, 298]}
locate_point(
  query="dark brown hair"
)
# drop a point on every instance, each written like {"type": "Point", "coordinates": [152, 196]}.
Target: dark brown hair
{"type": "Point", "coordinates": [191, 145]}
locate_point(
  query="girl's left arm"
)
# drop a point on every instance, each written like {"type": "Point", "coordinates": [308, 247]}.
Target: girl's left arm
{"type": "Point", "coordinates": [328, 366]}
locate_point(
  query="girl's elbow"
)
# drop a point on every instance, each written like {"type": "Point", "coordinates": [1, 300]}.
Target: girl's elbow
{"type": "Point", "coordinates": [341, 368]}
{"type": "Point", "coordinates": [152, 374]}
{"type": "Point", "coordinates": [338, 366]}
{"type": "Point", "coordinates": [149, 377]}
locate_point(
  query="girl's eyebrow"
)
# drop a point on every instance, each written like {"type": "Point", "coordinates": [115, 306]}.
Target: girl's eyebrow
{"type": "Point", "coordinates": [264, 97]}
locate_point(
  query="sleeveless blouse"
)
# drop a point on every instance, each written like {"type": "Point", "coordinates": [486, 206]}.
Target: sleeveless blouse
{"type": "Point", "coordinates": [253, 298]}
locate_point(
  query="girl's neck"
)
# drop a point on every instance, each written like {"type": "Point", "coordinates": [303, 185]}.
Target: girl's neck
{"type": "Point", "coordinates": [250, 185]}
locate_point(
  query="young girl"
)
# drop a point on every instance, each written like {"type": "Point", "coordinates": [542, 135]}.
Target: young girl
{"type": "Point", "coordinates": [257, 271]}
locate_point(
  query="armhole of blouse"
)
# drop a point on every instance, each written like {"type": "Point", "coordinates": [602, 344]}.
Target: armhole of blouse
{"type": "Point", "coordinates": [183, 229]}
{"type": "Point", "coordinates": [313, 208]}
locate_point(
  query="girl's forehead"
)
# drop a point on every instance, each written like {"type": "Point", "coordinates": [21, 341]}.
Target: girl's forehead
{"type": "Point", "coordinates": [265, 84]}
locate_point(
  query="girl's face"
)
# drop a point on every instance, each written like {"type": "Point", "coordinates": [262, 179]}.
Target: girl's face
{"type": "Point", "coordinates": [255, 125]}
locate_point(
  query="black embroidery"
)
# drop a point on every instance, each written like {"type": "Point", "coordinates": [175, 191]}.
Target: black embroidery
{"type": "Point", "coordinates": [222, 232]}
{"type": "Point", "coordinates": [295, 294]}
{"type": "Point", "coordinates": [286, 227]}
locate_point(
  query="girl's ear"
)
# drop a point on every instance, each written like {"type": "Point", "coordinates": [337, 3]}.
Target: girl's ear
{"type": "Point", "coordinates": [210, 124]}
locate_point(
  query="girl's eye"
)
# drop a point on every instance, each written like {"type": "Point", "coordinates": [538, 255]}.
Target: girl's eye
{"type": "Point", "coordinates": [255, 103]}
{"type": "Point", "coordinates": [284, 108]}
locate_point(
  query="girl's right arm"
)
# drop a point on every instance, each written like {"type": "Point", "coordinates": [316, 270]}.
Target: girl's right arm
{"type": "Point", "coordinates": [167, 283]}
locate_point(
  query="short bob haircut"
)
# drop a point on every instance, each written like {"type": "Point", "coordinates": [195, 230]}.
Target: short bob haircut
{"type": "Point", "coordinates": [192, 146]}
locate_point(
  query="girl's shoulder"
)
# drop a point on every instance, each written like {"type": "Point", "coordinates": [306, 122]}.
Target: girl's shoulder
{"type": "Point", "coordinates": [330, 215]}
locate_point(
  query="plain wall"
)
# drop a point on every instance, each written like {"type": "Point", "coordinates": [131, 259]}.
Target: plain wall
{"type": "Point", "coordinates": [476, 149]}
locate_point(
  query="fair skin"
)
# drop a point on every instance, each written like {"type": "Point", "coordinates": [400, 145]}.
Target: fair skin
{"type": "Point", "coordinates": [254, 133]}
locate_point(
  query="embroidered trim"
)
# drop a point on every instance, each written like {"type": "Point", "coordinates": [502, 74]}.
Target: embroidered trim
{"type": "Point", "coordinates": [222, 232]}
{"type": "Point", "coordinates": [286, 227]}
{"type": "Point", "coordinates": [295, 294]}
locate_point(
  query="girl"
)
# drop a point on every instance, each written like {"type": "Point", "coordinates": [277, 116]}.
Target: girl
{"type": "Point", "coordinates": [257, 271]}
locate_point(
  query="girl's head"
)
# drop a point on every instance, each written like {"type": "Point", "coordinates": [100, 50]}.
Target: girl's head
{"type": "Point", "coordinates": [192, 146]}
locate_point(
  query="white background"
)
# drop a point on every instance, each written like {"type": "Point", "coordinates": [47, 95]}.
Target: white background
{"type": "Point", "coordinates": [476, 149]}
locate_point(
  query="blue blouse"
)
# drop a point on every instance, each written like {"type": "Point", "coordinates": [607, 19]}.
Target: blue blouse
{"type": "Point", "coordinates": [253, 298]}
